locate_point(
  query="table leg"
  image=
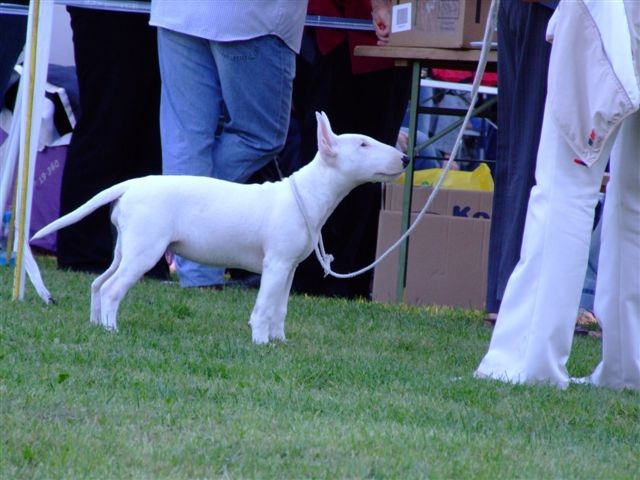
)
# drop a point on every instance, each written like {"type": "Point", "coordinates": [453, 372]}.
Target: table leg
{"type": "Point", "coordinates": [408, 183]}
{"type": "Point", "coordinates": [412, 150]}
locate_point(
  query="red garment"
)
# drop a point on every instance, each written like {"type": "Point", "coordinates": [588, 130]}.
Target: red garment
{"type": "Point", "coordinates": [329, 38]}
{"type": "Point", "coordinates": [489, 79]}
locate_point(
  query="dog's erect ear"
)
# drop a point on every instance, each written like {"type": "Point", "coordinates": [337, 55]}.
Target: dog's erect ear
{"type": "Point", "coordinates": [326, 138]}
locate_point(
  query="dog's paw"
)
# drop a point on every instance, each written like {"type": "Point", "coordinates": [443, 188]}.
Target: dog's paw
{"type": "Point", "coordinates": [259, 339]}
{"type": "Point", "coordinates": [277, 336]}
{"type": "Point", "coordinates": [111, 328]}
{"type": "Point", "coordinates": [259, 330]}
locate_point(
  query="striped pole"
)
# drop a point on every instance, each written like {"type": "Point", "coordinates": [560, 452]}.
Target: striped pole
{"type": "Point", "coordinates": [34, 77]}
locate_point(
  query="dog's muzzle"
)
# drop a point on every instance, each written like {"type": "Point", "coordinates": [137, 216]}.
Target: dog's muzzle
{"type": "Point", "coordinates": [405, 161]}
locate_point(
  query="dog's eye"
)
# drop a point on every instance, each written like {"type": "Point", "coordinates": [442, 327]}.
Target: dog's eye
{"type": "Point", "coordinates": [364, 144]}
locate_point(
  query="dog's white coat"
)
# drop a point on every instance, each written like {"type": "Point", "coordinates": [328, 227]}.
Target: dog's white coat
{"type": "Point", "coordinates": [259, 228]}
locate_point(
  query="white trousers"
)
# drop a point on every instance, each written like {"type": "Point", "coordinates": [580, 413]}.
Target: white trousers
{"type": "Point", "coordinates": [532, 338]}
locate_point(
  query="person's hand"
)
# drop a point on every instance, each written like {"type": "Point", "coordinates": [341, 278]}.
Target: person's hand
{"type": "Point", "coordinates": [454, 165]}
{"type": "Point", "coordinates": [403, 141]}
{"type": "Point", "coordinates": [381, 15]}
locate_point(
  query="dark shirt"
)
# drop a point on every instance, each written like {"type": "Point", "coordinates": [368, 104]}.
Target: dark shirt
{"type": "Point", "coordinates": [549, 3]}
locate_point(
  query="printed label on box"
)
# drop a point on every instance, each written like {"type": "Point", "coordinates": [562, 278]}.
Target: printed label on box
{"type": "Point", "coordinates": [449, 9]}
{"type": "Point", "coordinates": [401, 18]}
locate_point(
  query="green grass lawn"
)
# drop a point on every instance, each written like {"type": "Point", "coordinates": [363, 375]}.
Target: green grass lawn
{"type": "Point", "coordinates": [360, 390]}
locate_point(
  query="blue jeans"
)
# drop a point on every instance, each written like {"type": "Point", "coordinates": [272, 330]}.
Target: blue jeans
{"type": "Point", "coordinates": [589, 287]}
{"type": "Point", "coordinates": [246, 83]}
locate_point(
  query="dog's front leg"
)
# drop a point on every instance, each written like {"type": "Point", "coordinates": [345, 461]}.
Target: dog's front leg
{"type": "Point", "coordinates": [276, 326]}
{"type": "Point", "coordinates": [274, 289]}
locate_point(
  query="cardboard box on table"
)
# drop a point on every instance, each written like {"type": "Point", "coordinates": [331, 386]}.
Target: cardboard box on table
{"type": "Point", "coordinates": [438, 23]}
{"type": "Point", "coordinates": [448, 251]}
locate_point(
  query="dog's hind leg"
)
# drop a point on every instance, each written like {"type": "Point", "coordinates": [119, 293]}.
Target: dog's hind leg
{"type": "Point", "coordinates": [98, 282]}
{"type": "Point", "coordinates": [275, 280]}
{"type": "Point", "coordinates": [134, 263]}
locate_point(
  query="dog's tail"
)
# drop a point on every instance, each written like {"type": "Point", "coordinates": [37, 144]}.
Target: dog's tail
{"type": "Point", "coordinates": [102, 198]}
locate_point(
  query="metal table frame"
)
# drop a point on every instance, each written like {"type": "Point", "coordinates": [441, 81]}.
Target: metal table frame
{"type": "Point", "coordinates": [417, 58]}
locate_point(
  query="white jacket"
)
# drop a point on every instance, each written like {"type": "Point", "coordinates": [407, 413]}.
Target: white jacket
{"type": "Point", "coordinates": [594, 80]}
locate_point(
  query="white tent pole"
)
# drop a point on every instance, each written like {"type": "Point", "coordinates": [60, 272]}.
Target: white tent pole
{"type": "Point", "coordinates": [34, 76]}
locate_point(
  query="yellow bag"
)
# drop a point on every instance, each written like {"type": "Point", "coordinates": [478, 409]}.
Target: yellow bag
{"type": "Point", "coordinates": [478, 179]}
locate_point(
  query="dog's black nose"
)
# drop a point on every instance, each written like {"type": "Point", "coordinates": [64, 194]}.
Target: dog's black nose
{"type": "Point", "coordinates": [405, 161]}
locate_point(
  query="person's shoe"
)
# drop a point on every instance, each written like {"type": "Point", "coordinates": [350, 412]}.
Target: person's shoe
{"type": "Point", "coordinates": [586, 318]}
{"type": "Point", "coordinates": [490, 319]}
{"type": "Point", "coordinates": [247, 281]}
{"type": "Point", "coordinates": [580, 380]}
{"type": "Point", "coordinates": [217, 287]}
{"type": "Point", "coordinates": [587, 324]}
{"type": "Point", "coordinates": [242, 278]}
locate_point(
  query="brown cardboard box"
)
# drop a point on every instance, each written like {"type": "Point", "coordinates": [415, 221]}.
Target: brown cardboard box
{"type": "Point", "coordinates": [448, 251]}
{"type": "Point", "coordinates": [438, 23]}
{"type": "Point", "coordinates": [455, 203]}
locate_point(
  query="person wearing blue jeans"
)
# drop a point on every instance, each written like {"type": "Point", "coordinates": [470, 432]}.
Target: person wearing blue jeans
{"type": "Point", "coordinates": [227, 71]}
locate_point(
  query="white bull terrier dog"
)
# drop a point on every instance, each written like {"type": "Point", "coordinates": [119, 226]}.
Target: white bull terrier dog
{"type": "Point", "coordinates": [259, 228]}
